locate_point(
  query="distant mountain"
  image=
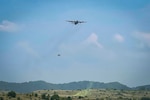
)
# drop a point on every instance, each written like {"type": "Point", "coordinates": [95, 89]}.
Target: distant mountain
{"type": "Point", "coordinates": [40, 85]}
{"type": "Point", "coordinates": [144, 87]}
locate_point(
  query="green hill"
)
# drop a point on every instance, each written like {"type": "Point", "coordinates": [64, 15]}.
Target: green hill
{"type": "Point", "coordinates": [41, 85]}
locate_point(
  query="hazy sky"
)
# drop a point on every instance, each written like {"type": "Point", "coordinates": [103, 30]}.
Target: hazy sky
{"type": "Point", "coordinates": [114, 44]}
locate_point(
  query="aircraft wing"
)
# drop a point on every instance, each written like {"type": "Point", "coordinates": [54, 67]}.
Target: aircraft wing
{"type": "Point", "coordinates": [70, 21]}
{"type": "Point", "coordinates": [82, 22]}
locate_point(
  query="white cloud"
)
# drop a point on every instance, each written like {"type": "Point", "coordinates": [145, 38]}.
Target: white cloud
{"type": "Point", "coordinates": [144, 38]}
{"type": "Point", "coordinates": [26, 46]}
{"type": "Point", "coordinates": [93, 39]}
{"type": "Point", "coordinates": [119, 38]}
{"type": "Point", "coordinates": [8, 26]}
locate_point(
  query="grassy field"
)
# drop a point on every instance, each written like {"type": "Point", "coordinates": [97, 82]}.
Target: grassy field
{"type": "Point", "coordinates": [87, 94]}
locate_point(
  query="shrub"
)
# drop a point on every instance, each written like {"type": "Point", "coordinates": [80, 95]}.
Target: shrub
{"type": "Point", "coordinates": [36, 95]}
{"type": "Point", "coordinates": [11, 94]}
{"type": "Point", "coordinates": [43, 96]}
{"type": "Point", "coordinates": [69, 98]}
{"type": "Point", "coordinates": [18, 98]}
{"type": "Point", "coordinates": [145, 98]}
{"type": "Point", "coordinates": [1, 98]}
{"type": "Point", "coordinates": [80, 97]}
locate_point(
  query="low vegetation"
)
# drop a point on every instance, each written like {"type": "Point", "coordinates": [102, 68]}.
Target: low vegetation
{"type": "Point", "coordinates": [11, 94]}
{"type": "Point", "coordinates": [87, 94]}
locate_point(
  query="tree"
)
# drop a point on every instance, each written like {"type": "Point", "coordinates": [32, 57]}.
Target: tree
{"type": "Point", "coordinates": [11, 94]}
{"type": "Point", "coordinates": [36, 95]}
{"type": "Point", "coordinates": [55, 97]}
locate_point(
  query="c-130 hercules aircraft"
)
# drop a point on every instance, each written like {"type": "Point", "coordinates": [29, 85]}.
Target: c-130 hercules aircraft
{"type": "Point", "coordinates": [76, 22]}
